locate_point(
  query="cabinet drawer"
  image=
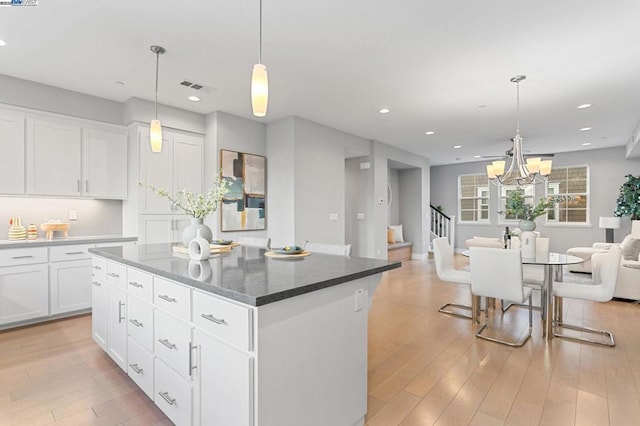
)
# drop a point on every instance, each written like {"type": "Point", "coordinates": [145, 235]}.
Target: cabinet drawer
{"type": "Point", "coordinates": [172, 342]}
{"type": "Point", "coordinates": [23, 256]}
{"type": "Point", "coordinates": [140, 322]}
{"type": "Point", "coordinates": [98, 270]}
{"type": "Point", "coordinates": [172, 394]}
{"type": "Point", "coordinates": [140, 367]}
{"type": "Point", "coordinates": [172, 298]}
{"type": "Point", "coordinates": [223, 319]}
{"type": "Point", "coordinates": [73, 252]}
{"type": "Point", "coordinates": [117, 275]}
{"type": "Point", "coordinates": [140, 284]}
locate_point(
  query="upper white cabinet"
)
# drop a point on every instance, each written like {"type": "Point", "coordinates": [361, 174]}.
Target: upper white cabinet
{"type": "Point", "coordinates": [54, 158]}
{"type": "Point", "coordinates": [12, 147]}
{"type": "Point", "coordinates": [178, 166]}
{"type": "Point", "coordinates": [104, 164]}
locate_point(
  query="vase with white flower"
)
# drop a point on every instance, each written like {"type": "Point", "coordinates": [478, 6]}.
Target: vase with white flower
{"type": "Point", "coordinates": [197, 206]}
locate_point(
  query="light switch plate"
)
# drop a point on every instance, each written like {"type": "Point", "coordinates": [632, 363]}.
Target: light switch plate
{"type": "Point", "coordinates": [359, 216]}
{"type": "Point", "coordinates": [73, 214]}
{"type": "Point", "coordinates": [333, 216]}
{"type": "Point", "coordinates": [360, 298]}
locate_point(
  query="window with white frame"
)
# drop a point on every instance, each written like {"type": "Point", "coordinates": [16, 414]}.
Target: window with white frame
{"type": "Point", "coordinates": [473, 198]}
{"type": "Point", "coordinates": [505, 190]}
{"type": "Point", "coordinates": [573, 183]}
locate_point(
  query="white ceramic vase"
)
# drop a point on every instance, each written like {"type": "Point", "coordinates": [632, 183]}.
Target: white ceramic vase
{"type": "Point", "coordinates": [191, 231]}
{"type": "Point", "coordinates": [199, 247]}
{"type": "Point", "coordinates": [528, 244]}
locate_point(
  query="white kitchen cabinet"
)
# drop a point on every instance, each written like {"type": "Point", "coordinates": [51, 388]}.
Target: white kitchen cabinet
{"type": "Point", "coordinates": [54, 160]}
{"type": "Point", "coordinates": [24, 292]}
{"type": "Point", "coordinates": [117, 326]}
{"type": "Point", "coordinates": [104, 164]}
{"type": "Point", "coordinates": [12, 147]}
{"type": "Point", "coordinates": [162, 228]}
{"type": "Point", "coordinates": [99, 312]}
{"type": "Point", "coordinates": [223, 384]}
{"type": "Point", "coordinates": [69, 286]}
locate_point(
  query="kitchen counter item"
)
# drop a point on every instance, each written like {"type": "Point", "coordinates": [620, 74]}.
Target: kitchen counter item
{"type": "Point", "coordinates": [16, 230]}
{"type": "Point", "coordinates": [32, 232]}
{"type": "Point", "coordinates": [50, 228]}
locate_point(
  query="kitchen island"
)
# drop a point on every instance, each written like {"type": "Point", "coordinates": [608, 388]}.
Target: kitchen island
{"type": "Point", "coordinates": [240, 339]}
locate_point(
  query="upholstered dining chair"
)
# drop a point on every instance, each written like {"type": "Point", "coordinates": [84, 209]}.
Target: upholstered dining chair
{"type": "Point", "coordinates": [605, 276]}
{"type": "Point", "coordinates": [497, 273]}
{"type": "Point", "coordinates": [443, 259]}
{"type": "Point", "coordinates": [255, 242]}
{"type": "Point", "coordinates": [533, 275]}
{"type": "Point", "coordinates": [337, 249]}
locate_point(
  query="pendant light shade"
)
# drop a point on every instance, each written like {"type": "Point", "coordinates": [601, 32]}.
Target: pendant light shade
{"type": "Point", "coordinates": [259, 81]}
{"type": "Point", "coordinates": [155, 128]}
{"type": "Point", "coordinates": [259, 90]}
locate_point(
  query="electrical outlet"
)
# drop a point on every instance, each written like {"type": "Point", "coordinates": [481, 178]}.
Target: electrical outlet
{"type": "Point", "coordinates": [73, 214]}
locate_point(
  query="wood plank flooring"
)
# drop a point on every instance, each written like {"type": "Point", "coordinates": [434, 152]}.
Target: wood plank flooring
{"type": "Point", "coordinates": [425, 368]}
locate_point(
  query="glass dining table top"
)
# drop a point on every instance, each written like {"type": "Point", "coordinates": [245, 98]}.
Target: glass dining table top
{"type": "Point", "coordinates": [547, 259]}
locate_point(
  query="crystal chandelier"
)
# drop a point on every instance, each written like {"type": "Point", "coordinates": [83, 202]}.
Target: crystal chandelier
{"type": "Point", "coordinates": [533, 171]}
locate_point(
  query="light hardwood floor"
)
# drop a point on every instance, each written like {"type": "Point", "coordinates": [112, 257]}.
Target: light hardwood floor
{"type": "Point", "coordinates": [424, 368]}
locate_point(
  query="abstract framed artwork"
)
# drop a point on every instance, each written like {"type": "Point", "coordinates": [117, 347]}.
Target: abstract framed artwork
{"type": "Point", "coordinates": [243, 207]}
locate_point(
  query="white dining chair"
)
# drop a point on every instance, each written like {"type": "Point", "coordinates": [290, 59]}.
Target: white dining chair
{"type": "Point", "coordinates": [337, 249]}
{"type": "Point", "coordinates": [445, 270]}
{"type": "Point", "coordinates": [264, 243]}
{"type": "Point", "coordinates": [497, 273]}
{"type": "Point", "coordinates": [605, 276]}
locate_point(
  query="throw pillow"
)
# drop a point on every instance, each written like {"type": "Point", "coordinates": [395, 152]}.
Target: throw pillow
{"type": "Point", "coordinates": [397, 233]}
{"type": "Point", "coordinates": [630, 248]}
{"type": "Point", "coordinates": [390, 236]}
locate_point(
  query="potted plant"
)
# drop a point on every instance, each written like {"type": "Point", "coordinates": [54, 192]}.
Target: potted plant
{"type": "Point", "coordinates": [517, 207]}
{"type": "Point", "coordinates": [628, 202]}
{"type": "Point", "coordinates": [197, 206]}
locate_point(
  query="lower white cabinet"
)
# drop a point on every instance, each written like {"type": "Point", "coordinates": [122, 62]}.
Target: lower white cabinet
{"type": "Point", "coordinates": [117, 326]}
{"type": "Point", "coordinates": [69, 286]}
{"type": "Point", "coordinates": [174, 394]}
{"type": "Point", "coordinates": [223, 383]}
{"type": "Point", "coordinates": [140, 367]}
{"type": "Point", "coordinates": [24, 292]}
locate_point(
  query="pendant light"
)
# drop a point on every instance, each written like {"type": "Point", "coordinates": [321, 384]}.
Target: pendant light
{"type": "Point", "coordinates": [259, 81]}
{"type": "Point", "coordinates": [155, 128]}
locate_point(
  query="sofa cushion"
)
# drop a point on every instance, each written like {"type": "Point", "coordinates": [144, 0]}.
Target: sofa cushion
{"type": "Point", "coordinates": [630, 248]}
{"type": "Point", "coordinates": [397, 233]}
{"type": "Point", "coordinates": [390, 236]}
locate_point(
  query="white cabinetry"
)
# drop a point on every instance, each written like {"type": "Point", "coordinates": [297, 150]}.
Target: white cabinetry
{"type": "Point", "coordinates": [69, 278]}
{"type": "Point", "coordinates": [12, 147]}
{"type": "Point", "coordinates": [54, 157]}
{"type": "Point", "coordinates": [99, 314]}
{"type": "Point", "coordinates": [23, 293]}
{"type": "Point", "coordinates": [117, 326]}
{"type": "Point", "coordinates": [162, 228]}
{"type": "Point", "coordinates": [104, 164]}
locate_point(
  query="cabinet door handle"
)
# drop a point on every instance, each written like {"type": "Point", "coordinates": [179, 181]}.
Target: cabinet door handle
{"type": "Point", "coordinates": [166, 397]}
{"type": "Point", "coordinates": [213, 319]}
{"type": "Point", "coordinates": [86, 185]}
{"type": "Point", "coordinates": [135, 284]}
{"type": "Point", "coordinates": [167, 298]}
{"type": "Point", "coordinates": [21, 257]}
{"type": "Point", "coordinates": [74, 252]}
{"type": "Point", "coordinates": [96, 267]}
{"type": "Point", "coordinates": [78, 185]}
{"type": "Point", "coordinates": [113, 274]}
{"type": "Point", "coordinates": [191, 364]}
{"type": "Point", "coordinates": [96, 283]}
{"type": "Point", "coordinates": [120, 317]}
{"type": "Point", "coordinates": [135, 368]}
{"type": "Point", "coordinates": [136, 323]}
{"type": "Point", "coordinates": [167, 343]}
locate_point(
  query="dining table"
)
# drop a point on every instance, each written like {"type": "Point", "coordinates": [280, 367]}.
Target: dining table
{"type": "Point", "coordinates": [552, 263]}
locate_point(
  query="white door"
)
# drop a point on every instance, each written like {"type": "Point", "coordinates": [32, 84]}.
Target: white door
{"type": "Point", "coordinates": [224, 384]}
{"type": "Point", "coordinates": [117, 326]}
{"type": "Point", "coordinates": [187, 163]}
{"type": "Point", "coordinates": [24, 293]}
{"type": "Point", "coordinates": [104, 164]}
{"type": "Point", "coordinates": [69, 286]}
{"type": "Point", "coordinates": [156, 168]}
{"type": "Point", "coordinates": [99, 314]}
{"type": "Point", "coordinates": [12, 148]}
{"type": "Point", "coordinates": [156, 228]}
{"type": "Point", "coordinates": [54, 161]}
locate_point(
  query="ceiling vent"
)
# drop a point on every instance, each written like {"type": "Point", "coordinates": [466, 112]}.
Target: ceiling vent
{"type": "Point", "coordinates": [194, 86]}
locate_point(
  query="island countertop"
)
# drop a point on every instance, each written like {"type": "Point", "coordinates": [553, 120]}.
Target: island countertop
{"type": "Point", "coordinates": [245, 274]}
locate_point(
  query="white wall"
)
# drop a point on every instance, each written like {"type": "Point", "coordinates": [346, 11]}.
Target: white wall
{"type": "Point", "coordinates": [607, 170]}
{"type": "Point", "coordinates": [359, 199]}
{"type": "Point", "coordinates": [142, 111]}
{"type": "Point", "coordinates": [396, 200]}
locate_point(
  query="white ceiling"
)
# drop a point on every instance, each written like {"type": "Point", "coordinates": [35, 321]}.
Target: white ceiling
{"type": "Point", "coordinates": [337, 62]}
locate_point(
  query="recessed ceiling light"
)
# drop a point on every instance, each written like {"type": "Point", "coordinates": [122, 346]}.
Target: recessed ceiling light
{"type": "Point", "coordinates": [477, 156]}
{"type": "Point", "coordinates": [583, 106]}
{"type": "Point", "coordinates": [585, 129]}
{"type": "Point", "coordinates": [457, 146]}
{"type": "Point", "coordinates": [430, 132]}
{"type": "Point", "coordinates": [3, 43]}
{"type": "Point", "coordinates": [384, 110]}
{"type": "Point", "coordinates": [194, 98]}
{"type": "Point", "coordinates": [586, 143]}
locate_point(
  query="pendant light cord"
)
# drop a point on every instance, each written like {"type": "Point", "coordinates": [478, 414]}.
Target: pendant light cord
{"type": "Point", "coordinates": [260, 37]}
{"type": "Point", "coordinates": [157, 70]}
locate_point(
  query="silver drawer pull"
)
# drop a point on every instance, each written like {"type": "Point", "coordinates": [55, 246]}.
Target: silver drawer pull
{"type": "Point", "coordinates": [21, 257]}
{"type": "Point", "coordinates": [167, 343]}
{"type": "Point", "coordinates": [113, 274]}
{"type": "Point", "coordinates": [166, 397]}
{"type": "Point", "coordinates": [74, 252]}
{"type": "Point", "coordinates": [167, 298]}
{"type": "Point", "coordinates": [120, 316]}
{"type": "Point", "coordinates": [135, 284]}
{"type": "Point", "coordinates": [135, 368]}
{"type": "Point", "coordinates": [136, 323]}
{"type": "Point", "coordinates": [213, 319]}
{"type": "Point", "coordinates": [96, 267]}
{"type": "Point", "coordinates": [96, 283]}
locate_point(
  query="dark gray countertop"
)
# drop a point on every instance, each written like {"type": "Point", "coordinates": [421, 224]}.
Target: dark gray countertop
{"type": "Point", "coordinates": [245, 274]}
{"type": "Point", "coordinates": [42, 242]}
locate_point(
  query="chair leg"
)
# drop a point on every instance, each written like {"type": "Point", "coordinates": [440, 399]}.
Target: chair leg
{"type": "Point", "coordinates": [558, 323]}
{"type": "Point", "coordinates": [506, 342]}
{"type": "Point", "coordinates": [444, 309]}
